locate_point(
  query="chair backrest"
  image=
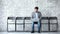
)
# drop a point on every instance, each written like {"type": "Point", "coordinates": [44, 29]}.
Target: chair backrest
{"type": "Point", "coordinates": [11, 18]}
{"type": "Point", "coordinates": [27, 18]}
{"type": "Point", "coordinates": [52, 17]}
{"type": "Point", "coordinates": [19, 18]}
{"type": "Point", "coordinates": [44, 18]}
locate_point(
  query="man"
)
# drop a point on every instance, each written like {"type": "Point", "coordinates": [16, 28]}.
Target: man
{"type": "Point", "coordinates": [36, 16]}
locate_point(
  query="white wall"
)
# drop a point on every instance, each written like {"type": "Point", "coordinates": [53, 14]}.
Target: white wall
{"type": "Point", "coordinates": [25, 8]}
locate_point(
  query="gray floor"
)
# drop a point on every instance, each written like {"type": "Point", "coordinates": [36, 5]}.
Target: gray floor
{"type": "Point", "coordinates": [29, 33]}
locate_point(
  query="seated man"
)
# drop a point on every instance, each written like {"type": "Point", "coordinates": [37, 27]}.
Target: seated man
{"type": "Point", "coordinates": [36, 16]}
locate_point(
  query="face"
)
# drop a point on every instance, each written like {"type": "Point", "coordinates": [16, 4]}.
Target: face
{"type": "Point", "coordinates": [36, 10]}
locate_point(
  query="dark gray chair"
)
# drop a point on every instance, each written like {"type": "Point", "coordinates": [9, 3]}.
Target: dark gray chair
{"type": "Point", "coordinates": [11, 22]}
{"type": "Point", "coordinates": [53, 23]}
{"type": "Point", "coordinates": [19, 24]}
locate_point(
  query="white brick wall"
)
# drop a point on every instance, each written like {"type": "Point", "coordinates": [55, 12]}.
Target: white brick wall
{"type": "Point", "coordinates": [25, 8]}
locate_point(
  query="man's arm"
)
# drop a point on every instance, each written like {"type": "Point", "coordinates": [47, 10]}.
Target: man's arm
{"type": "Point", "coordinates": [32, 15]}
{"type": "Point", "coordinates": [40, 15]}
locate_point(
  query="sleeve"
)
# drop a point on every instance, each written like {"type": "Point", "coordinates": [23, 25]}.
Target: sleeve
{"type": "Point", "coordinates": [32, 15]}
{"type": "Point", "coordinates": [40, 15]}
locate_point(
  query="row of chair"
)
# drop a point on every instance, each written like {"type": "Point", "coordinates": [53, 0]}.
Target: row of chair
{"type": "Point", "coordinates": [29, 18]}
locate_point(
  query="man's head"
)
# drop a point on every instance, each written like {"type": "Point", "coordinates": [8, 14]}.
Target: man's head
{"type": "Point", "coordinates": [36, 9]}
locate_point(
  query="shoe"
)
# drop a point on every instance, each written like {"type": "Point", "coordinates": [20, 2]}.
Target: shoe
{"type": "Point", "coordinates": [32, 32]}
{"type": "Point", "coordinates": [38, 32]}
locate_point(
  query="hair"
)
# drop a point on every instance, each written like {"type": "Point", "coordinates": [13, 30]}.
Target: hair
{"type": "Point", "coordinates": [36, 8]}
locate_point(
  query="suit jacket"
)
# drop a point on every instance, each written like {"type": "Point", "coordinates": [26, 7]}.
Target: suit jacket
{"type": "Point", "coordinates": [39, 15]}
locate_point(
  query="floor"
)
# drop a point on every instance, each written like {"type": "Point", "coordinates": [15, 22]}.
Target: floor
{"type": "Point", "coordinates": [29, 33]}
